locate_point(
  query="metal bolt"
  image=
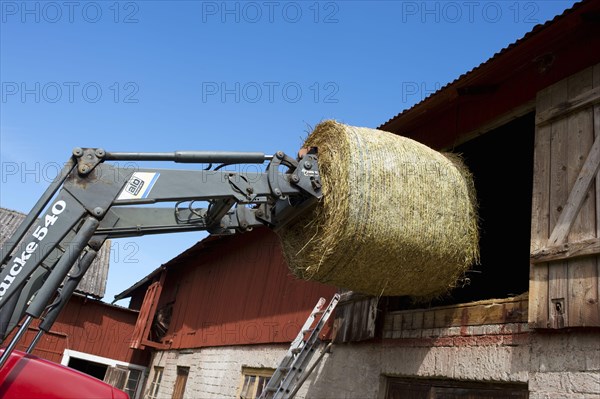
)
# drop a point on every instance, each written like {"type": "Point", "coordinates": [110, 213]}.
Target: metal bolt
{"type": "Point", "coordinates": [295, 178]}
{"type": "Point", "coordinates": [280, 154]}
{"type": "Point", "coordinates": [84, 169]}
{"type": "Point", "coordinates": [77, 151]}
{"type": "Point", "coordinates": [315, 183]}
{"type": "Point", "coordinates": [249, 190]}
{"type": "Point", "coordinates": [98, 211]}
{"type": "Point", "coordinates": [259, 213]}
{"type": "Point", "coordinates": [277, 192]}
{"type": "Point", "coordinates": [100, 153]}
{"type": "Point", "coordinates": [307, 164]}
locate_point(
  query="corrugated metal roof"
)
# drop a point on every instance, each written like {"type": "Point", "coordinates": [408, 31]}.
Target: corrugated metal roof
{"type": "Point", "coordinates": [94, 281]}
{"type": "Point", "coordinates": [458, 81]}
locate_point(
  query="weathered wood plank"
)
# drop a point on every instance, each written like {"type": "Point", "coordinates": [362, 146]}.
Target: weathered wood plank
{"type": "Point", "coordinates": [540, 216]}
{"type": "Point", "coordinates": [559, 192]}
{"type": "Point", "coordinates": [597, 137]}
{"type": "Point", "coordinates": [575, 104]}
{"type": "Point", "coordinates": [580, 144]}
{"type": "Point", "coordinates": [146, 315]}
{"type": "Point", "coordinates": [583, 293]}
{"type": "Point", "coordinates": [596, 82]}
{"type": "Point", "coordinates": [596, 79]}
{"type": "Point", "coordinates": [540, 204]}
{"type": "Point", "coordinates": [355, 318]}
{"type": "Point", "coordinates": [577, 196]}
{"type": "Point", "coordinates": [429, 319]}
{"type": "Point", "coordinates": [538, 281]}
{"type": "Point", "coordinates": [565, 251]}
{"type": "Point", "coordinates": [417, 321]}
{"type": "Point", "coordinates": [407, 321]}
{"type": "Point", "coordinates": [582, 270]}
{"type": "Point", "coordinates": [488, 312]}
{"type": "Point", "coordinates": [494, 313]}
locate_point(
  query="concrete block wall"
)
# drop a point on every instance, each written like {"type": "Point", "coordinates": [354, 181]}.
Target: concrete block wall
{"type": "Point", "coordinates": [557, 365]}
{"type": "Point", "coordinates": [565, 365]}
{"type": "Point", "coordinates": [214, 372]}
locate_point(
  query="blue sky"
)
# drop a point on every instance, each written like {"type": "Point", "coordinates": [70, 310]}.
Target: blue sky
{"type": "Point", "coordinates": [214, 75]}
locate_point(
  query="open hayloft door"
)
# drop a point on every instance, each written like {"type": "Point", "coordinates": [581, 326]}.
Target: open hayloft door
{"type": "Point", "coordinates": [565, 230]}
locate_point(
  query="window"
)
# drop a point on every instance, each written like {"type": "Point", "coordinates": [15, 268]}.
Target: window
{"type": "Point", "coordinates": [398, 388]}
{"type": "Point", "coordinates": [124, 378]}
{"type": "Point", "coordinates": [182, 376]}
{"type": "Point", "coordinates": [133, 382]}
{"type": "Point", "coordinates": [254, 380]}
{"type": "Point", "coordinates": [155, 384]}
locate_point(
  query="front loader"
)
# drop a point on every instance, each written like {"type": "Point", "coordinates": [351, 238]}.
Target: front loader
{"type": "Point", "coordinates": [93, 199]}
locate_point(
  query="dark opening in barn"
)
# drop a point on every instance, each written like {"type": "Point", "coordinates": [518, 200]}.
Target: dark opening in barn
{"type": "Point", "coordinates": [94, 369]}
{"type": "Point", "coordinates": [502, 165]}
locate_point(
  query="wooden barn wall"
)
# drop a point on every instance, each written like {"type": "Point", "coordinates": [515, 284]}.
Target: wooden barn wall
{"type": "Point", "coordinates": [237, 291]}
{"type": "Point", "coordinates": [355, 318]}
{"type": "Point", "coordinates": [565, 234]}
{"type": "Point", "coordinates": [92, 327]}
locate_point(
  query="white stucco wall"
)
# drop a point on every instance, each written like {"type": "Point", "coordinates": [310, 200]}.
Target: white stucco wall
{"type": "Point", "coordinates": [214, 372]}
{"type": "Point", "coordinates": [556, 365]}
{"type": "Point", "coordinates": [563, 365]}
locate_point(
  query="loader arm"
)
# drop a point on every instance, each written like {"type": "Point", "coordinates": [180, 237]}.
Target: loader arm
{"type": "Point", "coordinates": [93, 200]}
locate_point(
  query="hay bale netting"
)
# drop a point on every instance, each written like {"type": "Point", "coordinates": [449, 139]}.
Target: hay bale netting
{"type": "Point", "coordinates": [396, 218]}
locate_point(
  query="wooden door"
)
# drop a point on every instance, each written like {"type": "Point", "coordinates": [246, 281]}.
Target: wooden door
{"type": "Point", "coordinates": [180, 382]}
{"type": "Point", "coordinates": [565, 227]}
{"type": "Point", "coordinates": [143, 325]}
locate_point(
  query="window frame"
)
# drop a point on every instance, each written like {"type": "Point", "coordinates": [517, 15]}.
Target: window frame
{"type": "Point", "coordinates": [258, 374]}
{"type": "Point", "coordinates": [432, 388]}
{"type": "Point", "coordinates": [154, 386]}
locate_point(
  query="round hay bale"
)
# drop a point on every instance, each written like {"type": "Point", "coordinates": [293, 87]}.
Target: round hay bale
{"type": "Point", "coordinates": [396, 217]}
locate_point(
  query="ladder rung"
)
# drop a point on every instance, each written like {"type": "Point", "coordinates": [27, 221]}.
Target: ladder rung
{"type": "Point", "coordinates": [291, 372]}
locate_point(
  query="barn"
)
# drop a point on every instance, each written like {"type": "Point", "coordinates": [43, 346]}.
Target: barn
{"type": "Point", "coordinates": [89, 335]}
{"type": "Point", "coordinates": [526, 321]}
{"type": "Point", "coordinates": [220, 314]}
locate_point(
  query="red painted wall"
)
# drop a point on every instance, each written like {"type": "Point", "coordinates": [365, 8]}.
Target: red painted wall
{"type": "Point", "coordinates": [237, 290]}
{"type": "Point", "coordinates": [89, 326]}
